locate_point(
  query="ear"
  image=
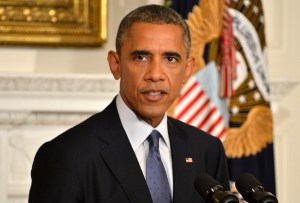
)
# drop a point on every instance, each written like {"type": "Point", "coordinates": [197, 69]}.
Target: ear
{"type": "Point", "coordinates": [189, 68]}
{"type": "Point", "coordinates": [114, 64]}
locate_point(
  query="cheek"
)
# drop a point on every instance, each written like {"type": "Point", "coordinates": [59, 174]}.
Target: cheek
{"type": "Point", "coordinates": [178, 79]}
{"type": "Point", "coordinates": [131, 80]}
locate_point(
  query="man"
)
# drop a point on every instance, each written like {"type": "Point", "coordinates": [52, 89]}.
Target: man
{"type": "Point", "coordinates": [105, 158]}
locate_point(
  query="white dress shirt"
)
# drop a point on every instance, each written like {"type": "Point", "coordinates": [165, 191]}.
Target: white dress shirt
{"type": "Point", "coordinates": [138, 130]}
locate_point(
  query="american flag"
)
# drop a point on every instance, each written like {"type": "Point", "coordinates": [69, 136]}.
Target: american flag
{"type": "Point", "coordinates": [188, 160]}
{"type": "Point", "coordinates": [195, 108]}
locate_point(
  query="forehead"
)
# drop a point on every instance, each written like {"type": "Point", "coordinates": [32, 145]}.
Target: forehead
{"type": "Point", "coordinates": [155, 34]}
{"type": "Point", "coordinates": [137, 27]}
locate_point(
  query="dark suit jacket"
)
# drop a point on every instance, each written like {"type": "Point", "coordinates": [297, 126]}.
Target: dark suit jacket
{"type": "Point", "coordinates": [94, 162]}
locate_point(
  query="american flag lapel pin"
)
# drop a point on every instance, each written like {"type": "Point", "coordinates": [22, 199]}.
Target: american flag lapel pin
{"type": "Point", "coordinates": [188, 160]}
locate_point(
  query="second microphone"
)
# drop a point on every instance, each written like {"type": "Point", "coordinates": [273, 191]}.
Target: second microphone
{"type": "Point", "coordinates": [212, 191]}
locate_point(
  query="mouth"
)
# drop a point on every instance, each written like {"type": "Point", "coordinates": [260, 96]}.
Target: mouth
{"type": "Point", "coordinates": [154, 92]}
{"type": "Point", "coordinates": [154, 95]}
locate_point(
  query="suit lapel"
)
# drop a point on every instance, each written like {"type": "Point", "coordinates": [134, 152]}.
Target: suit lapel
{"type": "Point", "coordinates": [121, 158]}
{"type": "Point", "coordinates": [183, 172]}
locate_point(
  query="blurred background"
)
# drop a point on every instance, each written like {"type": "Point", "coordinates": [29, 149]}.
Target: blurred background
{"type": "Point", "coordinates": [46, 90]}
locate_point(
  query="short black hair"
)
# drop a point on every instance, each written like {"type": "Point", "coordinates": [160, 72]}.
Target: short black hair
{"type": "Point", "coordinates": [155, 14]}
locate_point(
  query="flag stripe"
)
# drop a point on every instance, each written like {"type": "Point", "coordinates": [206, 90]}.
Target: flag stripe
{"type": "Point", "coordinates": [214, 125]}
{"type": "Point", "coordinates": [194, 85]}
{"type": "Point", "coordinates": [221, 134]}
{"type": "Point", "coordinates": [191, 103]}
{"type": "Point", "coordinates": [207, 117]}
{"type": "Point", "coordinates": [198, 111]}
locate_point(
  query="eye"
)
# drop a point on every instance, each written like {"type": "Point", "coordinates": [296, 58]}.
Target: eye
{"type": "Point", "coordinates": [171, 59]}
{"type": "Point", "coordinates": [140, 57]}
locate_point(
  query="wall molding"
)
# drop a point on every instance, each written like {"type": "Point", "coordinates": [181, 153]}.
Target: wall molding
{"type": "Point", "coordinates": [55, 93]}
{"type": "Point", "coordinates": [41, 118]}
{"type": "Point", "coordinates": [99, 83]}
{"type": "Point", "coordinates": [50, 83]}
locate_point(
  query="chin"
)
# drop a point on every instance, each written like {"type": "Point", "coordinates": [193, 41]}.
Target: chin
{"type": "Point", "coordinates": [152, 111]}
{"type": "Point", "coordinates": [153, 114]}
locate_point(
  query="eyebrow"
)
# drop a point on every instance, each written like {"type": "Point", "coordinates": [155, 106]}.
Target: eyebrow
{"type": "Point", "coordinates": [172, 53]}
{"type": "Point", "coordinates": [140, 52]}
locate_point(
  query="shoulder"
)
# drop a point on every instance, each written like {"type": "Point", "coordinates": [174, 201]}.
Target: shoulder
{"type": "Point", "coordinates": [197, 140]}
{"type": "Point", "coordinates": [74, 138]}
{"type": "Point", "coordinates": [87, 130]}
{"type": "Point", "coordinates": [83, 137]}
{"type": "Point", "coordinates": [192, 132]}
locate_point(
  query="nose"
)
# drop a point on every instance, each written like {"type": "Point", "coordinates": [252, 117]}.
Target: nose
{"type": "Point", "coordinates": [155, 71]}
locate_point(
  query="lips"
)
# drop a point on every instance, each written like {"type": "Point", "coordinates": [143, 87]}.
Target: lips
{"type": "Point", "coordinates": [154, 92]}
{"type": "Point", "coordinates": [154, 95]}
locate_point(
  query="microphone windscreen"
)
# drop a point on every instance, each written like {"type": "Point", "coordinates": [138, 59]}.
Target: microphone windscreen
{"type": "Point", "coordinates": [204, 183]}
{"type": "Point", "coordinates": [245, 182]}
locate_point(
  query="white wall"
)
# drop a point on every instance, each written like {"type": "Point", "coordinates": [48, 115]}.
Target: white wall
{"type": "Point", "coordinates": [283, 31]}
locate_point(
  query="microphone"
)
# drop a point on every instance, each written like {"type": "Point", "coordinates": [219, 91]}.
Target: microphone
{"type": "Point", "coordinates": [212, 191]}
{"type": "Point", "coordinates": [252, 190]}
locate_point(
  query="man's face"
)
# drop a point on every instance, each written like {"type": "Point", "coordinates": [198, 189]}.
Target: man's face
{"type": "Point", "coordinates": [152, 67]}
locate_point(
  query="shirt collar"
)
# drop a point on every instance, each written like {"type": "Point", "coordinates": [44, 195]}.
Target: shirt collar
{"type": "Point", "coordinates": [137, 129]}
